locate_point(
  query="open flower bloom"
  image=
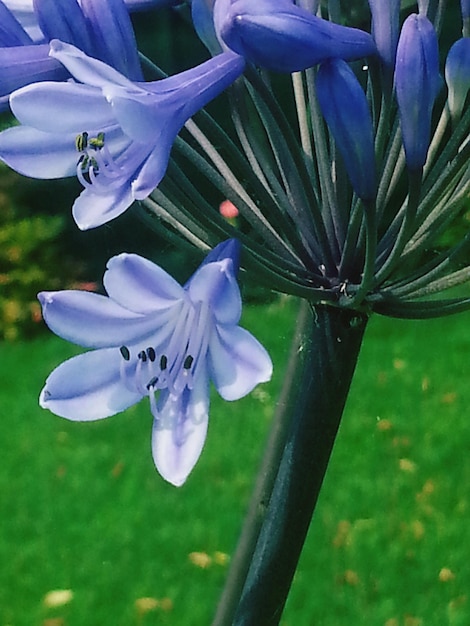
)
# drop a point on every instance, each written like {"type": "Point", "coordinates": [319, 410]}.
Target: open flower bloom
{"type": "Point", "coordinates": [417, 84]}
{"type": "Point", "coordinates": [116, 135]}
{"type": "Point", "coordinates": [281, 36]}
{"type": "Point", "coordinates": [153, 338]}
{"type": "Point", "coordinates": [101, 28]}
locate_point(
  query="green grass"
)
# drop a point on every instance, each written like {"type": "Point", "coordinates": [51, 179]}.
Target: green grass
{"type": "Point", "coordinates": [82, 508]}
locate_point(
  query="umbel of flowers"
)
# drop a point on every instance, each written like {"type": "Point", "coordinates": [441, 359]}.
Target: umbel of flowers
{"type": "Point", "coordinates": [345, 205]}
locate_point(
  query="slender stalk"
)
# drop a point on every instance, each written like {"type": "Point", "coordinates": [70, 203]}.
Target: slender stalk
{"type": "Point", "coordinates": [331, 349]}
{"type": "Point", "coordinates": [265, 477]}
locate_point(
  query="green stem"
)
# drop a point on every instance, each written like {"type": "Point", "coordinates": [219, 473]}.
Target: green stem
{"type": "Point", "coordinates": [321, 387]}
{"type": "Point", "coordinates": [265, 478]}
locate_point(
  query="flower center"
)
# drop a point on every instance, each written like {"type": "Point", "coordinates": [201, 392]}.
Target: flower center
{"type": "Point", "coordinates": [96, 166]}
{"type": "Point", "coordinates": [173, 356]}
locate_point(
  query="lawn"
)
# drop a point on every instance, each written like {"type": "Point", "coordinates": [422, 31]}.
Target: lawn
{"type": "Point", "coordinates": [82, 508]}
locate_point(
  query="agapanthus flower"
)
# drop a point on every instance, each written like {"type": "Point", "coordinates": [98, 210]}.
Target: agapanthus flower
{"type": "Point", "coordinates": [283, 37]}
{"type": "Point", "coordinates": [114, 134]}
{"type": "Point", "coordinates": [153, 338]}
{"type": "Point", "coordinates": [417, 82]}
{"type": "Point", "coordinates": [345, 108]}
{"type": "Point", "coordinates": [101, 28]}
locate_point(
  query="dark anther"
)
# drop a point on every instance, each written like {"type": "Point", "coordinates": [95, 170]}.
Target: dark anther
{"type": "Point", "coordinates": [126, 355]}
{"type": "Point", "coordinates": [142, 355]}
{"type": "Point", "coordinates": [188, 362]}
{"type": "Point", "coordinates": [163, 362]}
{"type": "Point", "coordinates": [152, 382]}
{"type": "Point", "coordinates": [151, 354]}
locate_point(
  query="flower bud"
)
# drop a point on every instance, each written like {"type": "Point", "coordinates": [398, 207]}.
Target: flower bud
{"type": "Point", "coordinates": [417, 83]}
{"type": "Point", "coordinates": [385, 28]}
{"type": "Point", "coordinates": [283, 37]}
{"type": "Point", "coordinates": [345, 109]}
{"type": "Point", "coordinates": [457, 73]}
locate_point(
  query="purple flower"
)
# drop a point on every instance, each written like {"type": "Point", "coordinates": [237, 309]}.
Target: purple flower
{"type": "Point", "coordinates": [280, 36]}
{"type": "Point", "coordinates": [345, 109]}
{"type": "Point", "coordinates": [417, 83]}
{"type": "Point", "coordinates": [101, 28]}
{"type": "Point", "coordinates": [114, 134]}
{"type": "Point", "coordinates": [457, 74]}
{"type": "Point", "coordinates": [385, 28]}
{"type": "Point", "coordinates": [153, 338]}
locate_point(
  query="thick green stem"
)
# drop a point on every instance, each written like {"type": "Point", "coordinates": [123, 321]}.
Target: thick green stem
{"type": "Point", "coordinates": [331, 352]}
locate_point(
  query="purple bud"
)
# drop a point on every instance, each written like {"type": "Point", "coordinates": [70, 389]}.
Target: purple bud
{"type": "Point", "coordinates": [457, 73]}
{"type": "Point", "coordinates": [283, 37]}
{"type": "Point", "coordinates": [417, 83]}
{"type": "Point", "coordinates": [385, 28]}
{"type": "Point", "coordinates": [345, 109]}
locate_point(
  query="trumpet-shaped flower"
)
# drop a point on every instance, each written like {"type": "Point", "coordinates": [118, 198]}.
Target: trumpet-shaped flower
{"type": "Point", "coordinates": [417, 83]}
{"type": "Point", "coordinates": [457, 74]}
{"type": "Point", "coordinates": [115, 135]}
{"type": "Point", "coordinates": [153, 338]}
{"type": "Point", "coordinates": [101, 28]}
{"type": "Point", "coordinates": [281, 36]}
{"type": "Point", "coordinates": [345, 109]}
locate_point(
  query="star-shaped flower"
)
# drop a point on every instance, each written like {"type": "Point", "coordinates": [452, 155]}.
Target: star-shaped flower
{"type": "Point", "coordinates": [154, 338]}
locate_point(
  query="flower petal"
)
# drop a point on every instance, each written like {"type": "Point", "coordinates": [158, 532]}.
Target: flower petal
{"type": "Point", "coordinates": [22, 65]}
{"type": "Point", "coordinates": [139, 285]}
{"type": "Point", "coordinates": [86, 69]}
{"type": "Point", "coordinates": [64, 20]}
{"type": "Point", "coordinates": [179, 430]}
{"type": "Point", "coordinates": [92, 320]}
{"type": "Point", "coordinates": [113, 35]}
{"type": "Point", "coordinates": [62, 107]}
{"type": "Point", "coordinates": [238, 362]}
{"type": "Point", "coordinates": [87, 387]}
{"type": "Point", "coordinates": [11, 31]}
{"type": "Point", "coordinates": [37, 154]}
{"type": "Point", "coordinates": [215, 284]}
{"type": "Point", "coordinates": [91, 209]}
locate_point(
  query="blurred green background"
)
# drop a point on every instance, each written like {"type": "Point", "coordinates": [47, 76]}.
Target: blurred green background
{"type": "Point", "coordinates": [91, 535]}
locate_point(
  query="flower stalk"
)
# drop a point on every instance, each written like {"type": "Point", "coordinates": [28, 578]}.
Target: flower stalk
{"type": "Point", "coordinates": [331, 349]}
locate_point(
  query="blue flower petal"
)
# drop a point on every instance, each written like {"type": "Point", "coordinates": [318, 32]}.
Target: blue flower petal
{"type": "Point", "coordinates": [11, 31]}
{"type": "Point", "coordinates": [215, 284]}
{"type": "Point", "coordinates": [238, 362]}
{"type": "Point", "coordinates": [179, 430]}
{"type": "Point", "coordinates": [38, 155]}
{"type": "Point", "coordinates": [92, 320]}
{"type": "Point", "coordinates": [113, 35]}
{"type": "Point", "coordinates": [86, 69]}
{"type": "Point", "coordinates": [62, 107]}
{"type": "Point", "coordinates": [88, 387]}
{"type": "Point", "coordinates": [64, 20]}
{"type": "Point", "coordinates": [91, 210]}
{"type": "Point", "coordinates": [22, 65]}
{"type": "Point", "coordinates": [139, 285]}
